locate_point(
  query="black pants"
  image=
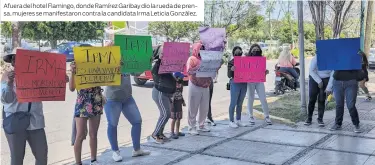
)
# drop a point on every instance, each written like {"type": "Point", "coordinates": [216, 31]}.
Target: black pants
{"type": "Point", "coordinates": [209, 115]}
{"type": "Point", "coordinates": [317, 94]}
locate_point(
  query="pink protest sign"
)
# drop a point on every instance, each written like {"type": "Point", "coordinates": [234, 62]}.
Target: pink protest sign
{"type": "Point", "coordinates": [250, 69]}
{"type": "Point", "coordinates": [175, 56]}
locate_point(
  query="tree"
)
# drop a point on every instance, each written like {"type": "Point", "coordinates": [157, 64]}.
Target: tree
{"type": "Point", "coordinates": [318, 12]}
{"type": "Point", "coordinates": [174, 31]}
{"type": "Point", "coordinates": [269, 9]}
{"type": "Point", "coordinates": [252, 33]}
{"type": "Point", "coordinates": [229, 14]}
{"type": "Point", "coordinates": [72, 31]}
{"type": "Point", "coordinates": [339, 16]}
{"type": "Point", "coordinates": [6, 29]}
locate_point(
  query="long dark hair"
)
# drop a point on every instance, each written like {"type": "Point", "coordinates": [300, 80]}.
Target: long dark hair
{"type": "Point", "coordinates": [251, 48]}
{"type": "Point", "coordinates": [364, 59]}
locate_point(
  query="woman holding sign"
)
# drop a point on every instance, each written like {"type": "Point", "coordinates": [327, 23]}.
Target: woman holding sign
{"type": "Point", "coordinates": [89, 106]}
{"type": "Point", "coordinates": [237, 92]}
{"type": "Point", "coordinates": [198, 92]}
{"type": "Point", "coordinates": [164, 88]}
{"type": "Point", "coordinates": [255, 50]}
{"type": "Point", "coordinates": [34, 134]}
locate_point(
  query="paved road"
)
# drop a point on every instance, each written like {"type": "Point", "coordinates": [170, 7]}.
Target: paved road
{"type": "Point", "coordinates": [58, 116]}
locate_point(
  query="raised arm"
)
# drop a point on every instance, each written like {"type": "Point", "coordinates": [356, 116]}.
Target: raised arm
{"type": "Point", "coordinates": [7, 92]}
{"type": "Point", "coordinates": [72, 85]}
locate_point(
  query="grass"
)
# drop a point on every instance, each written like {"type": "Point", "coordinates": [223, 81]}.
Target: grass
{"type": "Point", "coordinates": [287, 106]}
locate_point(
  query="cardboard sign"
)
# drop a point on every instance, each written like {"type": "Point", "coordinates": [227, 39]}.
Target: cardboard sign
{"type": "Point", "coordinates": [136, 52]}
{"type": "Point", "coordinates": [250, 69]}
{"type": "Point", "coordinates": [212, 38]}
{"type": "Point", "coordinates": [175, 55]}
{"type": "Point", "coordinates": [210, 63]}
{"type": "Point", "coordinates": [97, 66]}
{"type": "Point", "coordinates": [339, 54]}
{"type": "Point", "coordinates": [40, 76]}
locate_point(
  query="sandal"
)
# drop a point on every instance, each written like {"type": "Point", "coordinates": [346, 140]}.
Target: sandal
{"type": "Point", "coordinates": [368, 98]}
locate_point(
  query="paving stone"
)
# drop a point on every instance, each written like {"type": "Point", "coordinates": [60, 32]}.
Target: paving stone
{"type": "Point", "coordinates": [370, 161]}
{"type": "Point", "coordinates": [372, 131]}
{"type": "Point", "coordinates": [350, 144]}
{"type": "Point", "coordinates": [157, 156]}
{"type": "Point", "coordinates": [283, 137]}
{"type": "Point", "coordinates": [325, 157]}
{"type": "Point", "coordinates": [210, 160]}
{"type": "Point", "coordinates": [347, 125]}
{"type": "Point", "coordinates": [226, 132]}
{"type": "Point", "coordinates": [255, 151]}
{"type": "Point", "coordinates": [189, 143]}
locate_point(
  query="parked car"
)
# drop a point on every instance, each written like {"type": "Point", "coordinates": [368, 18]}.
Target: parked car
{"type": "Point", "coordinates": [371, 58]}
{"type": "Point", "coordinates": [67, 49]}
{"type": "Point", "coordinates": [25, 45]}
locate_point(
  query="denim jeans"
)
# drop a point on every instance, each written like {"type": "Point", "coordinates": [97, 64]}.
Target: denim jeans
{"type": "Point", "coordinates": [130, 110]}
{"type": "Point", "coordinates": [237, 96]}
{"type": "Point", "coordinates": [291, 71]}
{"type": "Point", "coordinates": [346, 90]}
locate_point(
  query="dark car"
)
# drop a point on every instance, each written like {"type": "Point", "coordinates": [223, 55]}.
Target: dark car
{"type": "Point", "coordinates": [67, 49]}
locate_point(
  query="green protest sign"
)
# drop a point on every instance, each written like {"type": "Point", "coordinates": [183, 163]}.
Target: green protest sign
{"type": "Point", "coordinates": [136, 52]}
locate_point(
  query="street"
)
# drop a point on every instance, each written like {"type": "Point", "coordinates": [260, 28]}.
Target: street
{"type": "Point", "coordinates": [59, 115]}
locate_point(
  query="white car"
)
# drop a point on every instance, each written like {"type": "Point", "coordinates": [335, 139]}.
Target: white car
{"type": "Point", "coordinates": [371, 58]}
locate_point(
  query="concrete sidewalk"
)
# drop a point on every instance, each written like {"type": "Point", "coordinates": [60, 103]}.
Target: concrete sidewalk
{"type": "Point", "coordinates": [261, 144]}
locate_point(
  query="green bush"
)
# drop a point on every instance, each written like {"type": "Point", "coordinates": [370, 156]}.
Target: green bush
{"type": "Point", "coordinates": [271, 54]}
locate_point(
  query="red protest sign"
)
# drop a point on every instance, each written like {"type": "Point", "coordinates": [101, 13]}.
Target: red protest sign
{"type": "Point", "coordinates": [40, 76]}
{"type": "Point", "coordinates": [250, 69]}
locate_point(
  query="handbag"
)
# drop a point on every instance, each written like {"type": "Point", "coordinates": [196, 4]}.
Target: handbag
{"type": "Point", "coordinates": [17, 122]}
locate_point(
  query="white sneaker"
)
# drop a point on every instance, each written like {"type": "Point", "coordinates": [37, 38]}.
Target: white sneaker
{"type": "Point", "coordinates": [268, 120]}
{"type": "Point", "coordinates": [240, 124]}
{"type": "Point", "coordinates": [203, 129]}
{"type": "Point", "coordinates": [252, 120]}
{"type": "Point", "coordinates": [141, 153]}
{"type": "Point", "coordinates": [233, 125]}
{"type": "Point", "coordinates": [116, 156]}
{"type": "Point", "coordinates": [95, 163]}
{"type": "Point", "coordinates": [193, 131]}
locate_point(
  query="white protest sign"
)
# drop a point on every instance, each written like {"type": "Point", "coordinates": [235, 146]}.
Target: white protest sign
{"type": "Point", "coordinates": [210, 63]}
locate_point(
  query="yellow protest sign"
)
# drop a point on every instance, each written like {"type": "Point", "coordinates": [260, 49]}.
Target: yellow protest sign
{"type": "Point", "coordinates": [97, 66]}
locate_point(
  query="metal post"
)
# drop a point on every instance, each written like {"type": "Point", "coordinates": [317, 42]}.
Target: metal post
{"type": "Point", "coordinates": [362, 30]}
{"type": "Point", "coordinates": [301, 57]}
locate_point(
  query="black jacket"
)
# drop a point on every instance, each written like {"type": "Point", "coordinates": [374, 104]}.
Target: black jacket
{"type": "Point", "coordinates": [230, 72]}
{"type": "Point", "coordinates": [165, 83]}
{"type": "Point", "coordinates": [346, 75]}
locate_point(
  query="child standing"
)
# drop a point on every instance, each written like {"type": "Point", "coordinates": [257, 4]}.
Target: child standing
{"type": "Point", "coordinates": [177, 103]}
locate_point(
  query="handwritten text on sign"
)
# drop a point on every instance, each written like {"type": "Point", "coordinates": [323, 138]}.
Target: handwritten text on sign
{"type": "Point", "coordinates": [175, 55]}
{"type": "Point", "coordinates": [250, 69]}
{"type": "Point", "coordinates": [97, 66]}
{"type": "Point", "coordinates": [136, 52]}
{"type": "Point", "coordinates": [40, 76]}
{"type": "Point", "coordinates": [212, 38]}
{"type": "Point", "coordinates": [210, 63]}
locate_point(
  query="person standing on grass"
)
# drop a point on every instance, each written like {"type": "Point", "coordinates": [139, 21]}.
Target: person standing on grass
{"type": "Point", "coordinates": [177, 103]}
{"type": "Point", "coordinates": [237, 92]}
{"type": "Point", "coordinates": [362, 83]}
{"type": "Point", "coordinates": [345, 88]}
{"type": "Point", "coordinates": [198, 92]}
{"type": "Point", "coordinates": [164, 87]}
{"type": "Point", "coordinates": [318, 82]}
{"type": "Point", "coordinates": [256, 51]}
{"type": "Point", "coordinates": [120, 100]}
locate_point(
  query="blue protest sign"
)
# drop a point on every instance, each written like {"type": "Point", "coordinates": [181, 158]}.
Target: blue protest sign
{"type": "Point", "coordinates": [338, 54]}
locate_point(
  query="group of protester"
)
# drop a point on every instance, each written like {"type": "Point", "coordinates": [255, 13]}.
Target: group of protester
{"type": "Point", "coordinates": [167, 94]}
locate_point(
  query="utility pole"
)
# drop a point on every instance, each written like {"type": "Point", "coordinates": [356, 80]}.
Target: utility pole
{"type": "Point", "coordinates": [370, 14]}
{"type": "Point", "coordinates": [301, 57]}
{"type": "Point", "coordinates": [362, 30]}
